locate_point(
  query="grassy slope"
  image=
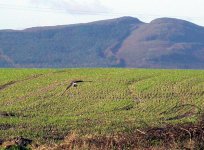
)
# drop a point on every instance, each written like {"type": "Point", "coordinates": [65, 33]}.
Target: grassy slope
{"type": "Point", "coordinates": [118, 100]}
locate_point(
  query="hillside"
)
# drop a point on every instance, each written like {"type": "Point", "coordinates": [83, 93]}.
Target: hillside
{"type": "Point", "coordinates": [120, 42]}
{"type": "Point", "coordinates": [82, 45]}
{"type": "Point", "coordinates": [116, 107]}
{"type": "Point", "coordinates": [165, 43]}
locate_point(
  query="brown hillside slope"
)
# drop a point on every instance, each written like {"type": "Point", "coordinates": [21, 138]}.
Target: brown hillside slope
{"type": "Point", "coordinates": [164, 43]}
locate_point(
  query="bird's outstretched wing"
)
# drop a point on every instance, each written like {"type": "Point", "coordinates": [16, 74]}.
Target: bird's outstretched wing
{"type": "Point", "coordinates": [77, 81]}
{"type": "Point", "coordinates": [67, 88]}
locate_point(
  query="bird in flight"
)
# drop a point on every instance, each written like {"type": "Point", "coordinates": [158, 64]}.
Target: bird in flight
{"type": "Point", "coordinates": [74, 83]}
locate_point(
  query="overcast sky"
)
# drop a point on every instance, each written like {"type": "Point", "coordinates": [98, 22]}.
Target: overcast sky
{"type": "Point", "coordinates": [19, 14]}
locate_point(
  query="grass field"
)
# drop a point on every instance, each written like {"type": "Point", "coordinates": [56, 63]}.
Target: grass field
{"type": "Point", "coordinates": [116, 101]}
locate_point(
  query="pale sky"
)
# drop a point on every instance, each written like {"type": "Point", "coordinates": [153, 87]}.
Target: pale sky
{"type": "Point", "coordinates": [20, 14]}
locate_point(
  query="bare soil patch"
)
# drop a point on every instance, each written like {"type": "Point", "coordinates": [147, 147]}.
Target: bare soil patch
{"type": "Point", "coordinates": [7, 85]}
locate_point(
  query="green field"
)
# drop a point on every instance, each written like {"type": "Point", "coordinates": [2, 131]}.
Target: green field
{"type": "Point", "coordinates": [115, 101]}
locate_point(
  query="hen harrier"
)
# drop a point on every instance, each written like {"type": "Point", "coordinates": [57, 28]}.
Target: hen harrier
{"type": "Point", "coordinates": [74, 83]}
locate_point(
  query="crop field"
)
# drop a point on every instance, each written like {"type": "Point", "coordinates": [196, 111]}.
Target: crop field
{"type": "Point", "coordinates": [109, 102]}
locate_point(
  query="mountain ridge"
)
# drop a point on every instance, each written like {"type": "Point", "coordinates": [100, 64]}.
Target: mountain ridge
{"type": "Point", "coordinates": [120, 42]}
